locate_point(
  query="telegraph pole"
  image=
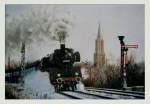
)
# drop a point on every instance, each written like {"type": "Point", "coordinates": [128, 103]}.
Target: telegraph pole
{"type": "Point", "coordinates": [22, 62]}
{"type": "Point", "coordinates": [23, 56]}
{"type": "Point", "coordinates": [9, 62]}
{"type": "Point", "coordinates": [123, 62]}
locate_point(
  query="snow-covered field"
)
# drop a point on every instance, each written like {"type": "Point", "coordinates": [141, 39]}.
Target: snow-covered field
{"type": "Point", "coordinates": [37, 86]}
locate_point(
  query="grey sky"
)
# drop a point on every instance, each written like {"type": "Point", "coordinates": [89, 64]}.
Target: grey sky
{"type": "Point", "coordinates": [127, 20]}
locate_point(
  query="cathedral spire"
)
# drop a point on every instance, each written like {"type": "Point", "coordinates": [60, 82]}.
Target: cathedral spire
{"type": "Point", "coordinates": [99, 55]}
{"type": "Point", "coordinates": [99, 31]}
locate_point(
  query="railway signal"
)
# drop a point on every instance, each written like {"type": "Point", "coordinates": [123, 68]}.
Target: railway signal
{"type": "Point", "coordinates": [129, 46]}
{"type": "Point", "coordinates": [124, 58]}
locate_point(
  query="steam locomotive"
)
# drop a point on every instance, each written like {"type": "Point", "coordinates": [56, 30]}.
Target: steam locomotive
{"type": "Point", "coordinates": [60, 66]}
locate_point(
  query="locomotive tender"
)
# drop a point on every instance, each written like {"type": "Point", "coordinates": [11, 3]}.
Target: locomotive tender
{"type": "Point", "coordinates": [60, 66]}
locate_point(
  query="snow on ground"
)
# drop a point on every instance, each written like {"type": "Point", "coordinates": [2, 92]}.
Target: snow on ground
{"type": "Point", "coordinates": [60, 96]}
{"type": "Point", "coordinates": [37, 85]}
{"type": "Point", "coordinates": [80, 86]}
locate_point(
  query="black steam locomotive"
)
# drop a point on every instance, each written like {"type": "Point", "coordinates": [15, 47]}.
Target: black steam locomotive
{"type": "Point", "coordinates": [60, 66]}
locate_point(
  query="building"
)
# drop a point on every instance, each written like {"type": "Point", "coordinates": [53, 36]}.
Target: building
{"type": "Point", "coordinates": [99, 55]}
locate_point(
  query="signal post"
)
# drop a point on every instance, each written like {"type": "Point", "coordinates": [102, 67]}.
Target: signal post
{"type": "Point", "coordinates": [124, 59]}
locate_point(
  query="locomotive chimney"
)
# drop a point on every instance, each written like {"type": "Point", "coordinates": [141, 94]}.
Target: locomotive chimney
{"type": "Point", "coordinates": [62, 46]}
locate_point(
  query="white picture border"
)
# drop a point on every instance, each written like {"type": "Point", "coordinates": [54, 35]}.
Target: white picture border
{"type": "Point", "coordinates": [32, 101]}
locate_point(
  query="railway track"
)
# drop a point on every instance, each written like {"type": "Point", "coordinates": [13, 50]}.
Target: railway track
{"type": "Point", "coordinates": [89, 93]}
{"type": "Point", "coordinates": [84, 95]}
{"type": "Point", "coordinates": [117, 93]}
{"type": "Point", "coordinates": [69, 95]}
{"type": "Point", "coordinates": [117, 90]}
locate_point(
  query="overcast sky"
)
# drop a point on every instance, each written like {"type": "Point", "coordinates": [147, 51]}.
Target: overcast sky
{"type": "Point", "coordinates": [127, 20]}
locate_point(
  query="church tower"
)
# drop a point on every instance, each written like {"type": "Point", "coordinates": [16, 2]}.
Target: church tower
{"type": "Point", "coordinates": [99, 55]}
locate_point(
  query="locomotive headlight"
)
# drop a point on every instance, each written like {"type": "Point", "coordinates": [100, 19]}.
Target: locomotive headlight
{"type": "Point", "coordinates": [76, 73]}
{"type": "Point", "coordinates": [58, 75]}
{"type": "Point", "coordinates": [69, 54]}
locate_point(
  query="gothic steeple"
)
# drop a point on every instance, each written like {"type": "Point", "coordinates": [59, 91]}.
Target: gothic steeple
{"type": "Point", "coordinates": [99, 31]}
{"type": "Point", "coordinates": [99, 55]}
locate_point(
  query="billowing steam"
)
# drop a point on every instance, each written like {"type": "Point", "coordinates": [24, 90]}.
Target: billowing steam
{"type": "Point", "coordinates": [60, 30]}
{"type": "Point", "coordinates": [36, 25]}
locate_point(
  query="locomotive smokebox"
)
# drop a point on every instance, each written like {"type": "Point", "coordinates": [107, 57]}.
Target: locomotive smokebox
{"type": "Point", "coordinates": [62, 46]}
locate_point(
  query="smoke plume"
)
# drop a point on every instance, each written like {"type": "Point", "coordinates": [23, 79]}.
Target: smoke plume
{"type": "Point", "coordinates": [36, 25]}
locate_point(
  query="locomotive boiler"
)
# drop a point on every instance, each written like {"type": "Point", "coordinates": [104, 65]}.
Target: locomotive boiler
{"type": "Point", "coordinates": [60, 66]}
